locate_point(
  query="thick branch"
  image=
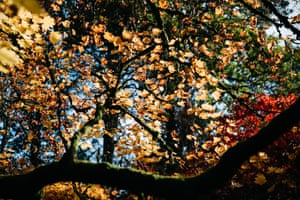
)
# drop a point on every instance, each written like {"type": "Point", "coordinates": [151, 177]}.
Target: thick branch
{"type": "Point", "coordinates": [137, 181]}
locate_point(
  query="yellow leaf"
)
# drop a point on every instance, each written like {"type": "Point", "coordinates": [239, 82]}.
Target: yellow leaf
{"type": "Point", "coordinates": [9, 57]}
{"type": "Point", "coordinates": [47, 23]}
{"type": "Point", "coordinates": [163, 4]}
{"type": "Point", "coordinates": [219, 11]}
{"type": "Point", "coordinates": [203, 48]}
{"type": "Point", "coordinates": [158, 40]}
{"type": "Point", "coordinates": [207, 107]}
{"type": "Point", "coordinates": [167, 106]}
{"type": "Point", "coordinates": [127, 35]}
{"type": "Point", "coordinates": [207, 145]}
{"type": "Point", "coordinates": [181, 103]}
{"type": "Point", "coordinates": [188, 54]}
{"type": "Point", "coordinates": [220, 149]}
{"type": "Point", "coordinates": [191, 157]}
{"type": "Point", "coordinates": [3, 69]}
{"type": "Point", "coordinates": [146, 40]}
{"type": "Point", "coordinates": [31, 5]}
{"type": "Point", "coordinates": [156, 31]}
{"type": "Point", "coordinates": [55, 37]}
{"type": "Point", "coordinates": [254, 3]}
{"type": "Point", "coordinates": [171, 68]}
{"type": "Point", "coordinates": [216, 95]}
{"type": "Point", "coordinates": [253, 159]}
{"type": "Point", "coordinates": [189, 137]}
{"type": "Point", "coordinates": [276, 170]}
{"type": "Point", "coordinates": [99, 28]}
{"type": "Point", "coordinates": [109, 36]}
{"type": "Point", "coordinates": [260, 179]}
{"type": "Point", "coordinates": [294, 129]}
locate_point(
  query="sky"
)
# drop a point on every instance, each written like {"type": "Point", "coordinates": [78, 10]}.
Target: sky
{"type": "Point", "coordinates": [295, 8]}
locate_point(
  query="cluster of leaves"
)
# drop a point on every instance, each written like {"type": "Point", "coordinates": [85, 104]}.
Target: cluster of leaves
{"type": "Point", "coordinates": [29, 103]}
{"type": "Point", "coordinates": [76, 191]}
{"type": "Point", "coordinates": [141, 84]}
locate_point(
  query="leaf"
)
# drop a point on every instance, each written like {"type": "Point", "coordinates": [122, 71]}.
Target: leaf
{"type": "Point", "coordinates": [109, 36]}
{"type": "Point", "coordinates": [47, 23]}
{"type": "Point", "coordinates": [8, 57]}
{"type": "Point", "coordinates": [276, 170]}
{"type": "Point", "coordinates": [31, 5]}
{"type": "Point", "coordinates": [219, 11]}
{"type": "Point", "coordinates": [254, 3]}
{"type": "Point", "coordinates": [207, 145]}
{"type": "Point", "coordinates": [216, 95]}
{"type": "Point", "coordinates": [220, 150]}
{"type": "Point", "coordinates": [207, 107]}
{"type": "Point", "coordinates": [295, 19]}
{"type": "Point", "coordinates": [203, 48]}
{"type": "Point", "coordinates": [55, 37]}
{"type": "Point", "coordinates": [3, 69]}
{"type": "Point", "coordinates": [260, 179]}
{"type": "Point", "coordinates": [127, 35]}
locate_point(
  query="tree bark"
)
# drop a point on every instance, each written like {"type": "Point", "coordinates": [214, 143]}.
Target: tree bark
{"type": "Point", "coordinates": [22, 186]}
{"type": "Point", "coordinates": [111, 123]}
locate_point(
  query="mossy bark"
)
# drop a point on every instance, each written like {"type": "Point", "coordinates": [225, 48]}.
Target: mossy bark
{"type": "Point", "coordinates": [26, 185]}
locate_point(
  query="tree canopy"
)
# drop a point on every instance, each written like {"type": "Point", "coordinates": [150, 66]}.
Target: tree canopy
{"type": "Point", "coordinates": [157, 98]}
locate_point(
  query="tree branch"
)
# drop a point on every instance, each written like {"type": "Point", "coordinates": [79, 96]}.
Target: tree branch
{"type": "Point", "coordinates": [255, 11]}
{"type": "Point", "coordinates": [136, 181]}
{"type": "Point", "coordinates": [282, 18]}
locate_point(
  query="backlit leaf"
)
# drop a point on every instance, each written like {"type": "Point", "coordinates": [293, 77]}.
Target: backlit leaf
{"type": "Point", "coordinates": [9, 57]}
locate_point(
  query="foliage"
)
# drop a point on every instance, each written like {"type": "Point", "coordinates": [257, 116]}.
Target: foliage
{"type": "Point", "coordinates": [275, 166]}
{"type": "Point", "coordinates": [162, 86]}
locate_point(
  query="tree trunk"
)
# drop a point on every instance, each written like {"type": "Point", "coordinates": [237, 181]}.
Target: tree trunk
{"type": "Point", "coordinates": [111, 123]}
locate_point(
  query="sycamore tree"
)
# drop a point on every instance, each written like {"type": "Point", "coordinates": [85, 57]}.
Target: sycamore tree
{"type": "Point", "coordinates": [143, 96]}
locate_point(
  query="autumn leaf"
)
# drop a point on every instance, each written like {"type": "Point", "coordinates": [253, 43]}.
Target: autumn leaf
{"type": "Point", "coordinates": [55, 37]}
{"type": "Point", "coordinates": [114, 75]}
{"type": "Point", "coordinates": [31, 5]}
{"type": "Point", "coordinates": [207, 107]}
{"type": "Point", "coordinates": [156, 31]}
{"type": "Point", "coordinates": [127, 35]}
{"type": "Point", "coordinates": [295, 19]}
{"type": "Point", "coordinates": [219, 11]}
{"type": "Point", "coordinates": [260, 179]}
{"type": "Point", "coordinates": [3, 69]}
{"type": "Point", "coordinates": [216, 95]}
{"type": "Point", "coordinates": [254, 3]}
{"type": "Point", "coordinates": [8, 57]}
{"type": "Point", "coordinates": [203, 48]}
{"type": "Point", "coordinates": [47, 22]}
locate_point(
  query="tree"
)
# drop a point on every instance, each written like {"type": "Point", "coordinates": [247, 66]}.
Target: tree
{"type": "Point", "coordinates": [136, 85]}
{"type": "Point", "coordinates": [274, 169]}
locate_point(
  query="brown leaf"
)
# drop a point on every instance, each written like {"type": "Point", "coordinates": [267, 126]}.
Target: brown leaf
{"type": "Point", "coordinates": [295, 19]}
